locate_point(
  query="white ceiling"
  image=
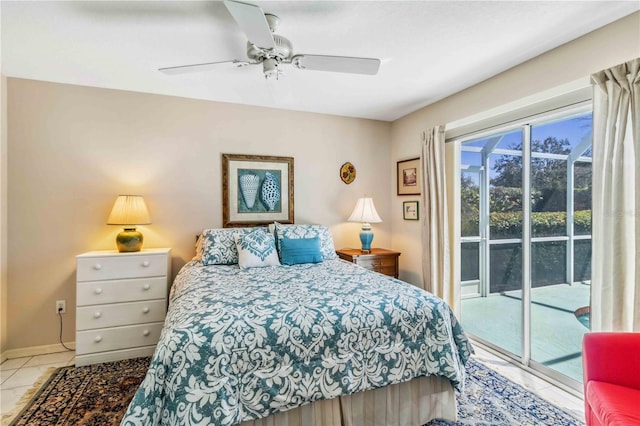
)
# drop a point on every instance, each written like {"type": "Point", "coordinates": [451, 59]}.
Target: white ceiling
{"type": "Point", "coordinates": [429, 49]}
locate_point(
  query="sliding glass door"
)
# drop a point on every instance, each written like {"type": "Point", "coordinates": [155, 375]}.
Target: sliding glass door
{"type": "Point", "coordinates": [492, 227]}
{"type": "Point", "coordinates": [525, 265]}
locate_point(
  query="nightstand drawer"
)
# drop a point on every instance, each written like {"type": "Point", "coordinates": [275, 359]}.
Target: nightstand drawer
{"type": "Point", "coordinates": [383, 265]}
{"type": "Point", "coordinates": [377, 263]}
{"type": "Point", "coordinates": [111, 339]}
{"type": "Point", "coordinates": [126, 266]}
{"type": "Point", "coordinates": [101, 316]}
{"type": "Point", "coordinates": [103, 292]}
{"type": "Point", "coordinates": [378, 260]}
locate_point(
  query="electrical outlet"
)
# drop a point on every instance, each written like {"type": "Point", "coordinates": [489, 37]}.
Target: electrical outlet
{"type": "Point", "coordinates": [61, 306]}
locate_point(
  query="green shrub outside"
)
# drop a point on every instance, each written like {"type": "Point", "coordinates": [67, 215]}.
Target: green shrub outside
{"type": "Point", "coordinates": [506, 221]}
{"type": "Point", "coordinates": [548, 263]}
{"type": "Point", "coordinates": [509, 224]}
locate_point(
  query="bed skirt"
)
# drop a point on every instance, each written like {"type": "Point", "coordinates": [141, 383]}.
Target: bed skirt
{"type": "Point", "coordinates": [412, 403]}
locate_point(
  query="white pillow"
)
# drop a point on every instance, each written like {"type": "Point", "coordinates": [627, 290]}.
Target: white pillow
{"type": "Point", "coordinates": [256, 249]}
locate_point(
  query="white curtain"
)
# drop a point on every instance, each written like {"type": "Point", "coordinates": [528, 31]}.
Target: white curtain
{"type": "Point", "coordinates": [435, 229]}
{"type": "Point", "coordinates": [615, 275]}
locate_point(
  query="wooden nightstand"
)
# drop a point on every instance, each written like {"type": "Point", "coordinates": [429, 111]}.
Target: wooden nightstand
{"type": "Point", "coordinates": [379, 260]}
{"type": "Point", "coordinates": [121, 302]}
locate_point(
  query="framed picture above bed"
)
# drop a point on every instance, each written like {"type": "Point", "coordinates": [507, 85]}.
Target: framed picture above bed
{"type": "Point", "coordinates": [256, 190]}
{"type": "Point", "coordinates": [409, 177]}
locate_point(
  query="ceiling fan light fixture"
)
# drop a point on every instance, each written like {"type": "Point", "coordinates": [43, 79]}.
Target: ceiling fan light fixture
{"type": "Point", "coordinates": [270, 69]}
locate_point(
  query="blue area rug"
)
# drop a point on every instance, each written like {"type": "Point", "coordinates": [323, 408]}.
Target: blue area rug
{"type": "Point", "coordinates": [490, 399]}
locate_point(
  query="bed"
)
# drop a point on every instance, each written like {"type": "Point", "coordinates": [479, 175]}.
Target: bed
{"type": "Point", "coordinates": [324, 342]}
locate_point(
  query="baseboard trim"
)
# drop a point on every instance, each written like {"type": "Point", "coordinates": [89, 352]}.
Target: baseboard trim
{"type": "Point", "coordinates": [101, 357]}
{"type": "Point", "coordinates": [36, 350]}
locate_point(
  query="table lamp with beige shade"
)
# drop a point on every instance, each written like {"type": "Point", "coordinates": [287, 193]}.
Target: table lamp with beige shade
{"type": "Point", "coordinates": [129, 211]}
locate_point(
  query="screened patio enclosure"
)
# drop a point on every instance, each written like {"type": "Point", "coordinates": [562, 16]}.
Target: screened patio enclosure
{"type": "Point", "coordinates": [526, 266]}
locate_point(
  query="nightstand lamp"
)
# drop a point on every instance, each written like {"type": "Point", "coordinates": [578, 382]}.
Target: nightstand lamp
{"type": "Point", "coordinates": [129, 211]}
{"type": "Point", "coordinates": [366, 213]}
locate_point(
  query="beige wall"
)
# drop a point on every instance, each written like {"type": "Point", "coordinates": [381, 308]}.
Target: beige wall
{"type": "Point", "coordinates": [3, 215]}
{"type": "Point", "coordinates": [610, 45]}
{"type": "Point", "coordinates": [72, 149]}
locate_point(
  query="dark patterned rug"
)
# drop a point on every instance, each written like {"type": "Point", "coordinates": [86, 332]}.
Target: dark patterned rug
{"type": "Point", "coordinates": [98, 395]}
{"type": "Point", "coordinates": [94, 395]}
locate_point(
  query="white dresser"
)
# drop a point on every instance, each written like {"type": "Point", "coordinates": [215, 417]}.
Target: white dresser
{"type": "Point", "coordinates": [121, 302]}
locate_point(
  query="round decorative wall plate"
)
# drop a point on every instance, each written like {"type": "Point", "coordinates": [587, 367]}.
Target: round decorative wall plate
{"type": "Point", "coordinates": [348, 173]}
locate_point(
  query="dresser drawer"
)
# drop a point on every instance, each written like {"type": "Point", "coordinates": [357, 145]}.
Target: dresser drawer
{"type": "Point", "coordinates": [111, 339]}
{"type": "Point", "coordinates": [126, 266]}
{"type": "Point", "coordinates": [101, 316]}
{"type": "Point", "coordinates": [103, 292]}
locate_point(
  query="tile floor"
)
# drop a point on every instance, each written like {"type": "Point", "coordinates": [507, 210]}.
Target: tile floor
{"type": "Point", "coordinates": [19, 374]}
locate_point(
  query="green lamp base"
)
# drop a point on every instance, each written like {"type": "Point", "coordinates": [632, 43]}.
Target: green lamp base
{"type": "Point", "coordinates": [129, 240]}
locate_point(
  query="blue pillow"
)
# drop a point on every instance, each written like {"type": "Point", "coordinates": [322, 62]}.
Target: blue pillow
{"type": "Point", "coordinates": [300, 250]}
{"type": "Point", "coordinates": [308, 231]}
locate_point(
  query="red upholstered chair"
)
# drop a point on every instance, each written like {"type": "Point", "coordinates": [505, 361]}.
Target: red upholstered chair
{"type": "Point", "coordinates": [611, 363]}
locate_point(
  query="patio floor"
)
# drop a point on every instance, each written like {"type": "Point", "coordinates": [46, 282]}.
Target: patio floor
{"type": "Point", "coordinates": [556, 333]}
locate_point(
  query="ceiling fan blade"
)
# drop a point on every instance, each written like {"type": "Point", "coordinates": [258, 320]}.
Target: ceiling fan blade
{"type": "Point", "coordinates": [253, 23]}
{"type": "Point", "coordinates": [345, 64]}
{"type": "Point", "coordinates": [183, 69]}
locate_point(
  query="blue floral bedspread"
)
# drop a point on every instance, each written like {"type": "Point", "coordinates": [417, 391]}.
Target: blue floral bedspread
{"type": "Point", "coordinates": [242, 344]}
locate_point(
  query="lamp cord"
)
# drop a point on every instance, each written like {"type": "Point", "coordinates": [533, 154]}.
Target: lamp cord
{"type": "Point", "coordinates": [63, 345]}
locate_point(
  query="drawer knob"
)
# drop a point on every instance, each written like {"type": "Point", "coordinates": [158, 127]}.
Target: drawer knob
{"type": "Point", "coordinates": [146, 333]}
{"type": "Point", "coordinates": [97, 266]}
{"type": "Point", "coordinates": [98, 290]}
{"type": "Point", "coordinates": [146, 287]}
{"type": "Point", "coordinates": [97, 314]}
{"type": "Point", "coordinates": [146, 263]}
{"type": "Point", "coordinates": [145, 310]}
{"type": "Point", "coordinates": [98, 339]}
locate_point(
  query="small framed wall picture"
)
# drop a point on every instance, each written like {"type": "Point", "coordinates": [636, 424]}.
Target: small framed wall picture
{"type": "Point", "coordinates": [348, 172]}
{"type": "Point", "coordinates": [409, 177]}
{"type": "Point", "coordinates": [410, 210]}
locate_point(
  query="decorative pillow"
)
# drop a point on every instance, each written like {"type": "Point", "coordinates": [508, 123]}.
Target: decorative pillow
{"type": "Point", "coordinates": [256, 249]}
{"type": "Point", "coordinates": [219, 247]}
{"type": "Point", "coordinates": [300, 250]}
{"type": "Point", "coordinates": [308, 231]}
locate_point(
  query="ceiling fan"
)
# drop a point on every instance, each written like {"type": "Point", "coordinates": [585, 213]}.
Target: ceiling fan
{"type": "Point", "coordinates": [273, 50]}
